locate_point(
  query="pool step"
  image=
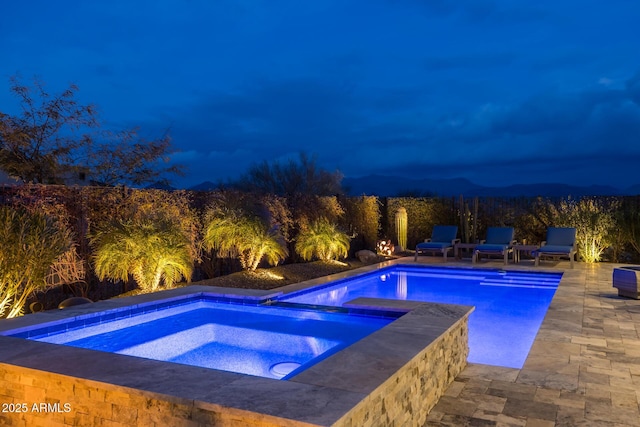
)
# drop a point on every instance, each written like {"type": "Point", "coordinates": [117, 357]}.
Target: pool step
{"type": "Point", "coordinates": [520, 283]}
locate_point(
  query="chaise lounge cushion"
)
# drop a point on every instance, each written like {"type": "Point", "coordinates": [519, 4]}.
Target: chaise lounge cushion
{"type": "Point", "coordinates": [443, 238]}
{"type": "Point", "coordinates": [491, 248]}
{"type": "Point", "coordinates": [433, 245]}
{"type": "Point", "coordinates": [560, 241]}
{"type": "Point", "coordinates": [499, 239]}
{"type": "Point", "coordinates": [553, 249]}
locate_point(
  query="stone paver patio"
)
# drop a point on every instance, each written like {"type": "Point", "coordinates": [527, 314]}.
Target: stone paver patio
{"type": "Point", "coordinates": [583, 368]}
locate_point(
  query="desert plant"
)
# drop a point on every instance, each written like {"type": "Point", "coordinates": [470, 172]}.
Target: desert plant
{"type": "Point", "coordinates": [153, 252]}
{"type": "Point", "coordinates": [323, 240]}
{"type": "Point", "coordinates": [238, 234]}
{"type": "Point", "coordinates": [31, 244]}
{"type": "Point", "coordinates": [109, 205]}
{"type": "Point", "coordinates": [401, 228]}
{"type": "Point", "coordinates": [593, 219]}
{"type": "Point", "coordinates": [309, 191]}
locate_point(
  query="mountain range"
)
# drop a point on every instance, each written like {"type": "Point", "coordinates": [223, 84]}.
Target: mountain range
{"type": "Point", "coordinates": [381, 185]}
{"type": "Point", "coordinates": [390, 186]}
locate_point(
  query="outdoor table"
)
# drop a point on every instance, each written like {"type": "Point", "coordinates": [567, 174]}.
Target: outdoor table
{"type": "Point", "coordinates": [521, 247]}
{"type": "Point", "coordinates": [458, 246]}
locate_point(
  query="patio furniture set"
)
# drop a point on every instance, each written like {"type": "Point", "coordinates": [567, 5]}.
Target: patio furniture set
{"type": "Point", "coordinates": [560, 242]}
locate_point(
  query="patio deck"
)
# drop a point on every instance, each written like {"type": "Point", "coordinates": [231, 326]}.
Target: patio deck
{"type": "Point", "coordinates": [583, 368]}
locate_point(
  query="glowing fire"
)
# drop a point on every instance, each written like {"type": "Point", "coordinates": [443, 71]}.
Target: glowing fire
{"type": "Point", "coordinates": [384, 247]}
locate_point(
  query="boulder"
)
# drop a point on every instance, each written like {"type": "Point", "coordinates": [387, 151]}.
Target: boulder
{"type": "Point", "coordinates": [367, 256]}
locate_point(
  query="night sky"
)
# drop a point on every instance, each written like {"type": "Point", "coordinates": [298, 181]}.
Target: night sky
{"type": "Point", "coordinates": [499, 92]}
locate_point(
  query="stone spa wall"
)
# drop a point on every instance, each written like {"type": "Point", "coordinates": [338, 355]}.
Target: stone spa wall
{"type": "Point", "coordinates": [393, 377]}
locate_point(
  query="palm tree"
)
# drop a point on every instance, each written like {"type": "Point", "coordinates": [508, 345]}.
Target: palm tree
{"type": "Point", "coordinates": [322, 240]}
{"type": "Point", "coordinates": [248, 238]}
{"type": "Point", "coordinates": [31, 244]}
{"type": "Point", "coordinates": [153, 252]}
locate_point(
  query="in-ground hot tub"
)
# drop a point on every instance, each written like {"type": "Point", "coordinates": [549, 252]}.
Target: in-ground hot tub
{"type": "Point", "coordinates": [393, 376]}
{"type": "Point", "coordinates": [205, 331]}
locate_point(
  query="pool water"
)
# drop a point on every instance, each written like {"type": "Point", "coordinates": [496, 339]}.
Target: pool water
{"type": "Point", "coordinates": [280, 340]}
{"type": "Point", "coordinates": [266, 341]}
{"type": "Point", "coordinates": [510, 305]}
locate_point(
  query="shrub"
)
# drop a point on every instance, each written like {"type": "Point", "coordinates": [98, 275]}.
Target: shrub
{"type": "Point", "coordinates": [106, 206]}
{"type": "Point", "coordinates": [238, 234]}
{"type": "Point", "coordinates": [362, 219]}
{"type": "Point", "coordinates": [322, 240]}
{"type": "Point", "coordinates": [153, 252]}
{"type": "Point", "coordinates": [594, 221]}
{"type": "Point", "coordinates": [628, 220]}
{"type": "Point", "coordinates": [31, 244]}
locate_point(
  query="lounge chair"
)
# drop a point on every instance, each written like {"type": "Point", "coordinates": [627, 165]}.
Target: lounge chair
{"type": "Point", "coordinates": [499, 242]}
{"type": "Point", "coordinates": [561, 241]}
{"type": "Point", "coordinates": [443, 238]}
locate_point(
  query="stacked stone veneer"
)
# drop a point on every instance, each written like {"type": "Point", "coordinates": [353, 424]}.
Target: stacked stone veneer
{"type": "Point", "coordinates": [65, 401]}
{"type": "Point", "coordinates": [408, 396]}
{"type": "Point", "coordinates": [393, 377]}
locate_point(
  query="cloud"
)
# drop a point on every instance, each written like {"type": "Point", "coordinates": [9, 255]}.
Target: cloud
{"type": "Point", "coordinates": [479, 11]}
{"type": "Point", "coordinates": [633, 87]}
{"type": "Point", "coordinates": [288, 112]}
{"type": "Point", "coordinates": [471, 61]}
{"type": "Point", "coordinates": [360, 132]}
{"type": "Point", "coordinates": [586, 137]}
{"type": "Point", "coordinates": [605, 81]}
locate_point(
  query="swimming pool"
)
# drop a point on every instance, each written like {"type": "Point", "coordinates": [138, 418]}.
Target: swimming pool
{"type": "Point", "coordinates": [510, 305]}
{"type": "Point", "coordinates": [266, 341]}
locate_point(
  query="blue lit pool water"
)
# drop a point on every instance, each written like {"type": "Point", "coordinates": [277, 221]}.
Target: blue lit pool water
{"type": "Point", "coordinates": [277, 342]}
{"type": "Point", "coordinates": [266, 341]}
{"type": "Point", "coordinates": [510, 305]}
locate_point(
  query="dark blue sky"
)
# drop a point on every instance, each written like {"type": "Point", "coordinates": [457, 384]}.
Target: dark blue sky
{"type": "Point", "coordinates": [499, 92]}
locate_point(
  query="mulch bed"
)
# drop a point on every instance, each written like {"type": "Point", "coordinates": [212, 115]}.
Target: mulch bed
{"type": "Point", "coordinates": [270, 278]}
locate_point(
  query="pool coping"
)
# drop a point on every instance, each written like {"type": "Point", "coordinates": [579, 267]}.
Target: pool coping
{"type": "Point", "coordinates": [320, 395]}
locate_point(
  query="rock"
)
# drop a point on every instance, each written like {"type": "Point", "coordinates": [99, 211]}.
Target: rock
{"type": "Point", "coordinates": [366, 256]}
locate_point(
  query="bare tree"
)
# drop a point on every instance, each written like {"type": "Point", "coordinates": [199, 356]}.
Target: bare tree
{"type": "Point", "coordinates": [40, 145]}
{"type": "Point", "coordinates": [125, 158]}
{"type": "Point", "coordinates": [55, 136]}
{"type": "Point", "coordinates": [292, 178]}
